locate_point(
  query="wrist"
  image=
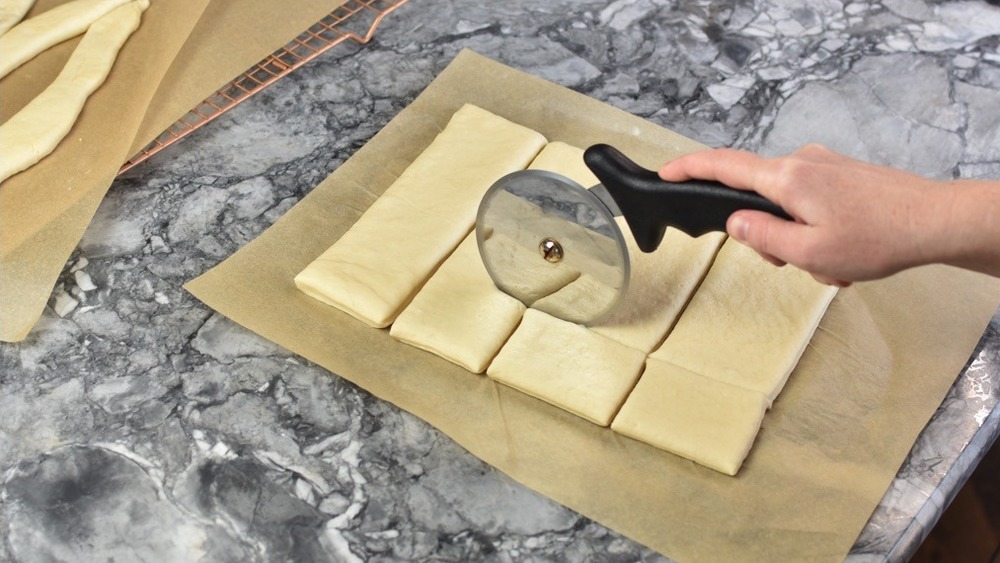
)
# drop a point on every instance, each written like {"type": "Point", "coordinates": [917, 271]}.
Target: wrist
{"type": "Point", "coordinates": [929, 236]}
{"type": "Point", "coordinates": [968, 229]}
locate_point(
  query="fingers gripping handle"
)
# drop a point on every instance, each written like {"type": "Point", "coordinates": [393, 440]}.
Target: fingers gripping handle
{"type": "Point", "coordinates": [650, 204]}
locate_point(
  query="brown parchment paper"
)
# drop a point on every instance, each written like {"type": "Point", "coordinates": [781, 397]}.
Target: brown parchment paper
{"type": "Point", "coordinates": [182, 52]}
{"type": "Point", "coordinates": [879, 365]}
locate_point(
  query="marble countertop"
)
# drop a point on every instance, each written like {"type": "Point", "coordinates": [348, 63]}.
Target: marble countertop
{"type": "Point", "coordinates": [136, 424]}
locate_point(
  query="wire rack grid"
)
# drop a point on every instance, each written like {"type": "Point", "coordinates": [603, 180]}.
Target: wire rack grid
{"type": "Point", "coordinates": [356, 20]}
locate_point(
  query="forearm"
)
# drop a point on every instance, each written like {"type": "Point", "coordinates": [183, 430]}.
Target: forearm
{"type": "Point", "coordinates": [972, 226]}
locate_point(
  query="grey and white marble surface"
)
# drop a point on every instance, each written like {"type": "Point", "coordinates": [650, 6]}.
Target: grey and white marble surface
{"type": "Point", "coordinates": [137, 425]}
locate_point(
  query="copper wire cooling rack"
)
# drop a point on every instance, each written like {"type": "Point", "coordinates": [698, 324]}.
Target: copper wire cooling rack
{"type": "Point", "coordinates": [356, 20]}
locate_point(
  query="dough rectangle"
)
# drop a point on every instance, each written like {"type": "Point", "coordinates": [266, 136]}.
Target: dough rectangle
{"type": "Point", "coordinates": [383, 259]}
{"type": "Point", "coordinates": [705, 420]}
{"type": "Point", "coordinates": [459, 314]}
{"type": "Point", "coordinates": [569, 366]}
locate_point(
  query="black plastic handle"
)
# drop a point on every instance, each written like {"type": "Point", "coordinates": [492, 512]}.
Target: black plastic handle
{"type": "Point", "coordinates": [650, 204]}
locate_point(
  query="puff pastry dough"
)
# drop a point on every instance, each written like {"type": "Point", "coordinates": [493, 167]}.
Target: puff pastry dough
{"type": "Point", "coordinates": [11, 12]}
{"type": "Point", "coordinates": [538, 279]}
{"type": "Point", "coordinates": [707, 421]}
{"type": "Point", "coordinates": [660, 286]}
{"type": "Point", "coordinates": [567, 160]}
{"type": "Point", "coordinates": [568, 366]}
{"type": "Point", "coordinates": [378, 265]}
{"type": "Point", "coordinates": [459, 314]}
{"type": "Point", "coordinates": [749, 322]}
{"type": "Point", "coordinates": [661, 282]}
{"type": "Point", "coordinates": [36, 130]}
{"type": "Point", "coordinates": [32, 36]}
{"type": "Point", "coordinates": [702, 394]}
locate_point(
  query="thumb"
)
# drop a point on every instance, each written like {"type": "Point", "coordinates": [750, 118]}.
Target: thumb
{"type": "Point", "coordinates": [765, 233]}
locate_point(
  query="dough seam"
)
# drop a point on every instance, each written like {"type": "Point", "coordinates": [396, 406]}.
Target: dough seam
{"type": "Point", "coordinates": [635, 383]}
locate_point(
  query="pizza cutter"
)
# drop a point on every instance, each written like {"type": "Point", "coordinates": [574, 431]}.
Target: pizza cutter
{"type": "Point", "coordinates": [555, 246]}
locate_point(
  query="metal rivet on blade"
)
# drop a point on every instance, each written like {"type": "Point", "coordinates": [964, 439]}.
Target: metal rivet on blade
{"type": "Point", "coordinates": [551, 250]}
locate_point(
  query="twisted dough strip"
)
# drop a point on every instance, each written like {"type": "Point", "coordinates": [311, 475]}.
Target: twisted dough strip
{"type": "Point", "coordinates": [32, 36]}
{"type": "Point", "coordinates": [34, 132]}
{"type": "Point", "coordinates": [11, 12]}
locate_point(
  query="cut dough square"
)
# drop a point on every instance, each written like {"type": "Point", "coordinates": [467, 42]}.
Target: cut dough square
{"type": "Point", "coordinates": [459, 314]}
{"type": "Point", "coordinates": [568, 366]}
{"type": "Point", "coordinates": [383, 259]}
{"type": "Point", "coordinates": [707, 421]}
{"type": "Point", "coordinates": [748, 323]}
{"type": "Point", "coordinates": [583, 289]}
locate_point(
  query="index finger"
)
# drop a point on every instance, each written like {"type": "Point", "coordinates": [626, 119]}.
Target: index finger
{"type": "Point", "coordinates": [735, 168]}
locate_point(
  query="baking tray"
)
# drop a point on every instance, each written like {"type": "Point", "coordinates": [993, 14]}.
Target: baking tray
{"type": "Point", "coordinates": [356, 20]}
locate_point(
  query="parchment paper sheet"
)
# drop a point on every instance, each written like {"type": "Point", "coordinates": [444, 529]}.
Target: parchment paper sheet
{"type": "Point", "coordinates": [183, 51]}
{"type": "Point", "coordinates": [879, 365]}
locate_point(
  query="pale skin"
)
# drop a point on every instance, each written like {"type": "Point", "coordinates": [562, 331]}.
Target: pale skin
{"type": "Point", "coordinates": [854, 221]}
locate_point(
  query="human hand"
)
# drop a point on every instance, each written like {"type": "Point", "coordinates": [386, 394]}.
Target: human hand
{"type": "Point", "coordinates": [854, 221]}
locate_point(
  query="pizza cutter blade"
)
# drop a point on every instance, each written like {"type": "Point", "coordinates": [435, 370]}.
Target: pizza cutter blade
{"type": "Point", "coordinates": [555, 246]}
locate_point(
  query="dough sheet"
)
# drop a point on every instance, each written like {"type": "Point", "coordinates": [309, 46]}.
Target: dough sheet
{"type": "Point", "coordinates": [660, 283]}
{"type": "Point", "coordinates": [537, 279]}
{"type": "Point", "coordinates": [702, 394]}
{"type": "Point", "coordinates": [567, 160]}
{"type": "Point", "coordinates": [659, 287]}
{"type": "Point", "coordinates": [374, 270]}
